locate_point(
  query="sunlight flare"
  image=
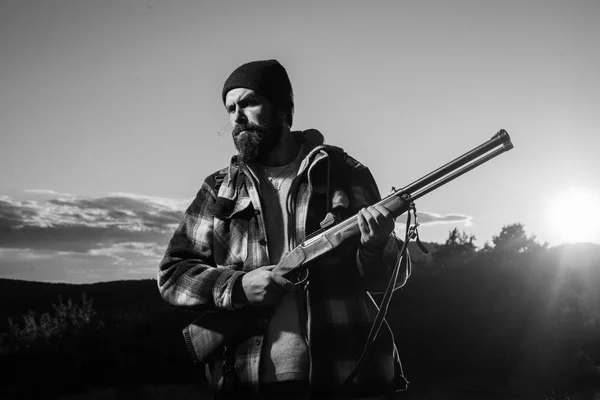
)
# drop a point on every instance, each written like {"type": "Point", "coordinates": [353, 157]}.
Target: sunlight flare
{"type": "Point", "coordinates": [575, 215]}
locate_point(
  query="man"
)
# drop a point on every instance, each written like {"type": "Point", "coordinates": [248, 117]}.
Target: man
{"type": "Point", "coordinates": [247, 216]}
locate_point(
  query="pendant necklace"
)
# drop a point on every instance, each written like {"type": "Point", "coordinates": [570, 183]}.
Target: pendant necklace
{"type": "Point", "coordinates": [277, 179]}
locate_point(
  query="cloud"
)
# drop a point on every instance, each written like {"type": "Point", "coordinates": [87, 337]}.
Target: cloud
{"type": "Point", "coordinates": [429, 218]}
{"type": "Point", "coordinates": [169, 203]}
{"type": "Point", "coordinates": [433, 218]}
{"type": "Point", "coordinates": [80, 224]}
{"type": "Point", "coordinates": [130, 252]}
{"type": "Point", "coordinates": [118, 236]}
{"type": "Point", "coordinates": [7, 254]}
{"type": "Point", "coordinates": [46, 192]}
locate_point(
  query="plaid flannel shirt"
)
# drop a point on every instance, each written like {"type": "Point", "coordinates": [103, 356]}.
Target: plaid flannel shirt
{"type": "Point", "coordinates": [222, 236]}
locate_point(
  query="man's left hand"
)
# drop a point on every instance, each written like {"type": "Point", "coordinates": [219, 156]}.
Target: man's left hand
{"type": "Point", "coordinates": [376, 223]}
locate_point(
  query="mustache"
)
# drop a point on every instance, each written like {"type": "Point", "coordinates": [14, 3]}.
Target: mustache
{"type": "Point", "coordinates": [247, 127]}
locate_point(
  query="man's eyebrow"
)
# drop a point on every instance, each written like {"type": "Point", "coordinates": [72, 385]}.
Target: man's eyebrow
{"type": "Point", "coordinates": [245, 96]}
{"type": "Point", "coordinates": [249, 96]}
{"type": "Point", "coordinates": [252, 96]}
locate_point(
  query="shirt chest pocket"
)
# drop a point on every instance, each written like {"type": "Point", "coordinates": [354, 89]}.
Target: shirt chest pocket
{"type": "Point", "coordinates": [233, 221]}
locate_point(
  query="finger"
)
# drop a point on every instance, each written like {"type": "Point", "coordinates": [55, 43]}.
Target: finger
{"type": "Point", "coordinates": [377, 215]}
{"type": "Point", "coordinates": [371, 222]}
{"type": "Point", "coordinates": [388, 222]}
{"type": "Point", "coordinates": [283, 283]}
{"type": "Point", "coordinates": [385, 220]}
{"type": "Point", "coordinates": [383, 211]}
{"type": "Point", "coordinates": [362, 223]}
{"type": "Point", "coordinates": [268, 267]}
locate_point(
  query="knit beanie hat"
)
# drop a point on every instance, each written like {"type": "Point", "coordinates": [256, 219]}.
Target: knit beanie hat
{"type": "Point", "coordinates": [269, 79]}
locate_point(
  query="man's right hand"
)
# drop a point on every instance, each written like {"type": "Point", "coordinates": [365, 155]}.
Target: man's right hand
{"type": "Point", "coordinates": [261, 287]}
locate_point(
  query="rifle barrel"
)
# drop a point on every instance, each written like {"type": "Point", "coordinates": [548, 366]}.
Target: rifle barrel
{"type": "Point", "coordinates": [498, 144]}
{"type": "Point", "coordinates": [457, 173]}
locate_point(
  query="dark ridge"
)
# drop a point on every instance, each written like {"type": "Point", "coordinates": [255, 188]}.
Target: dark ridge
{"type": "Point", "coordinates": [490, 325]}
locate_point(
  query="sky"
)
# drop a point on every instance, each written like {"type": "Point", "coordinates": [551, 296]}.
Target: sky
{"type": "Point", "coordinates": [111, 115]}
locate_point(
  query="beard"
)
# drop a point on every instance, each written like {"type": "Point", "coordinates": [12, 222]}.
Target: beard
{"type": "Point", "coordinates": [257, 141]}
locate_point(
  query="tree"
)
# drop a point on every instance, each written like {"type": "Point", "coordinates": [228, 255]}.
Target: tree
{"type": "Point", "coordinates": [512, 238]}
{"type": "Point", "coordinates": [456, 246]}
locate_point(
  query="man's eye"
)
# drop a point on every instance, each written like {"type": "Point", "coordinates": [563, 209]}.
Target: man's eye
{"type": "Point", "coordinates": [250, 103]}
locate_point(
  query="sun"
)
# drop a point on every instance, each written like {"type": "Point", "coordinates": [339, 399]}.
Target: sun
{"type": "Point", "coordinates": [574, 215]}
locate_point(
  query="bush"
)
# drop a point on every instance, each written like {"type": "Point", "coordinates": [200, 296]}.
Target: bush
{"type": "Point", "coordinates": [67, 317]}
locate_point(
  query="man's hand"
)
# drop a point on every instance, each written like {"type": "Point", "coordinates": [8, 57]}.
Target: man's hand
{"type": "Point", "coordinates": [376, 224]}
{"type": "Point", "coordinates": [261, 287]}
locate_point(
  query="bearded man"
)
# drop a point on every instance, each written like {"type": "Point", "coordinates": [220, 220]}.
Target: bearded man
{"type": "Point", "coordinates": [278, 189]}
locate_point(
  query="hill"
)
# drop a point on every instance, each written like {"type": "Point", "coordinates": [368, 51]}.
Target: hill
{"type": "Point", "coordinates": [22, 296]}
{"type": "Point", "coordinates": [492, 325]}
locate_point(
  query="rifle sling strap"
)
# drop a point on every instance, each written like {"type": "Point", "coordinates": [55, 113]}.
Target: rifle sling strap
{"type": "Point", "coordinates": [385, 302]}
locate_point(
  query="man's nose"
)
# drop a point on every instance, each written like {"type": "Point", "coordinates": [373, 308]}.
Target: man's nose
{"type": "Point", "coordinates": [239, 116]}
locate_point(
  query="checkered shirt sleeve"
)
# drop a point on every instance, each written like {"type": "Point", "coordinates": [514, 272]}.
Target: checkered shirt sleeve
{"type": "Point", "coordinates": [188, 275]}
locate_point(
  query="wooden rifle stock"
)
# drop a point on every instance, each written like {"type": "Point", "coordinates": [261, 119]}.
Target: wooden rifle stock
{"type": "Point", "coordinates": [208, 334]}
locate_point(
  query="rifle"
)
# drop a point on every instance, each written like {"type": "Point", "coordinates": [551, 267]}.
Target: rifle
{"type": "Point", "coordinates": [209, 334]}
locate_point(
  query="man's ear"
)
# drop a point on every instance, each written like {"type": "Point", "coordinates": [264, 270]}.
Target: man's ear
{"type": "Point", "coordinates": [283, 117]}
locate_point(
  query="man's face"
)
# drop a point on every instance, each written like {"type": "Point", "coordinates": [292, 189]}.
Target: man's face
{"type": "Point", "coordinates": [257, 125]}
